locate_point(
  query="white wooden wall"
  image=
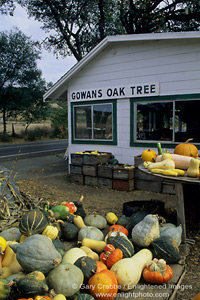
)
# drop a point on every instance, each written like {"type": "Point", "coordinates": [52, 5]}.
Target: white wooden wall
{"type": "Point", "coordinates": [175, 64]}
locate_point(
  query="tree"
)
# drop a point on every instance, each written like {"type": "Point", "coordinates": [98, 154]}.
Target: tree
{"type": "Point", "coordinates": [7, 7]}
{"type": "Point", "coordinates": [79, 25]}
{"type": "Point", "coordinates": [21, 85]}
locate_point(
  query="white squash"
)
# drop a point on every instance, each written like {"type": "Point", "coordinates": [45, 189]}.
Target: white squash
{"type": "Point", "coordinates": [146, 231]}
{"type": "Point", "coordinates": [128, 270]}
{"type": "Point", "coordinates": [72, 255]}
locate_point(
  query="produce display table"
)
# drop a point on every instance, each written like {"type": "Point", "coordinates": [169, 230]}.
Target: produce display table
{"type": "Point", "coordinates": [184, 200]}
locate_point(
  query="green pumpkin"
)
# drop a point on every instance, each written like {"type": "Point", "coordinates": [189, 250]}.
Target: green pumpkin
{"type": "Point", "coordinates": [4, 291]}
{"type": "Point", "coordinates": [90, 232]}
{"type": "Point", "coordinates": [122, 243]}
{"type": "Point", "coordinates": [69, 231]}
{"type": "Point", "coordinates": [165, 247]}
{"type": "Point", "coordinates": [30, 286]}
{"type": "Point", "coordinates": [87, 265]}
{"type": "Point", "coordinates": [84, 296]}
{"type": "Point", "coordinates": [65, 279]}
{"type": "Point", "coordinates": [37, 253]}
{"type": "Point", "coordinates": [33, 222]}
{"type": "Point", "coordinates": [95, 220]}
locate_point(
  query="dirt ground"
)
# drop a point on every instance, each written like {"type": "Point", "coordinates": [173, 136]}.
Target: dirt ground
{"type": "Point", "coordinates": [58, 188]}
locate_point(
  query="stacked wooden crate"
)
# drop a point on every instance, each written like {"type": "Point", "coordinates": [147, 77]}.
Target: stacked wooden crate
{"type": "Point", "coordinates": [105, 175]}
{"type": "Point", "coordinates": [76, 168]}
{"type": "Point", "coordinates": [123, 178]}
{"type": "Point", "coordinates": [84, 167]}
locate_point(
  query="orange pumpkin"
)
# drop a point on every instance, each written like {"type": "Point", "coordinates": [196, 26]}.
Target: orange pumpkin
{"type": "Point", "coordinates": [100, 266]}
{"type": "Point", "coordinates": [119, 228]}
{"type": "Point", "coordinates": [149, 155]}
{"type": "Point", "coordinates": [157, 271]}
{"type": "Point", "coordinates": [116, 255]}
{"type": "Point", "coordinates": [103, 285]}
{"type": "Point", "coordinates": [186, 149]}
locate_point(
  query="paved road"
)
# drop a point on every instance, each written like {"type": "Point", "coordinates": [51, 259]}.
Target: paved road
{"type": "Point", "coordinates": [32, 149]}
{"type": "Point", "coordinates": [34, 162]}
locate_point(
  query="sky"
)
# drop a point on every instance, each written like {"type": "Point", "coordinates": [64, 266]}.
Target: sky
{"type": "Point", "coordinates": [51, 67]}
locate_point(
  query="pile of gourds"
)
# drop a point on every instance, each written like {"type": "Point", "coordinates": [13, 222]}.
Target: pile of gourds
{"type": "Point", "coordinates": [184, 161]}
{"type": "Point", "coordinates": [111, 253]}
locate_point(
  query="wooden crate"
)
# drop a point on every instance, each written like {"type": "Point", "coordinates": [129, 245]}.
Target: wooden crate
{"type": "Point", "coordinates": [76, 159]}
{"type": "Point", "coordinates": [90, 170]}
{"type": "Point", "coordinates": [94, 159]}
{"type": "Point", "coordinates": [76, 178]}
{"type": "Point", "coordinates": [74, 169]}
{"type": "Point", "coordinates": [123, 185]}
{"type": "Point", "coordinates": [105, 171]}
{"type": "Point", "coordinates": [90, 180]}
{"type": "Point", "coordinates": [105, 182]}
{"type": "Point", "coordinates": [120, 172]}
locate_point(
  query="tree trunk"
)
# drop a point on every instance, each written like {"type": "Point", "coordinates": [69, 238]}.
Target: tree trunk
{"type": "Point", "coordinates": [4, 122]}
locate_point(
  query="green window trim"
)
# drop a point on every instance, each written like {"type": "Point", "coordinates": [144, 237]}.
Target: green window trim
{"type": "Point", "coordinates": [155, 99]}
{"type": "Point", "coordinates": [114, 123]}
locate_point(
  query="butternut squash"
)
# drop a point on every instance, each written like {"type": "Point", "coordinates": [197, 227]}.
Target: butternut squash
{"type": "Point", "coordinates": [10, 259]}
{"type": "Point", "coordinates": [164, 164]}
{"type": "Point", "coordinates": [193, 170]}
{"type": "Point", "coordinates": [181, 161]}
{"type": "Point", "coordinates": [95, 245]}
{"type": "Point", "coordinates": [128, 271]}
{"type": "Point", "coordinates": [78, 221]}
{"type": "Point", "coordinates": [90, 253]}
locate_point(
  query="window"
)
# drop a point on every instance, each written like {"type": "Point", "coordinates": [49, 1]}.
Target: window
{"type": "Point", "coordinates": [169, 121]}
{"type": "Point", "coordinates": [94, 122]}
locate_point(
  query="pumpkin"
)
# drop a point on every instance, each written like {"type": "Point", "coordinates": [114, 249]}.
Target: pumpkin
{"type": "Point", "coordinates": [87, 265]}
{"type": "Point", "coordinates": [65, 279]}
{"type": "Point", "coordinates": [134, 219]}
{"type": "Point", "coordinates": [33, 222]}
{"type": "Point", "coordinates": [157, 271]}
{"type": "Point", "coordinates": [73, 254]}
{"type": "Point", "coordinates": [128, 271]}
{"type": "Point", "coordinates": [30, 286]}
{"type": "Point", "coordinates": [186, 149]}
{"type": "Point", "coordinates": [174, 232]}
{"type": "Point", "coordinates": [119, 228]}
{"type": "Point", "coordinates": [123, 220]}
{"type": "Point", "coordinates": [5, 289]}
{"type": "Point", "coordinates": [59, 212]}
{"type": "Point", "coordinates": [84, 296]}
{"type": "Point", "coordinates": [103, 285]}
{"type": "Point", "coordinates": [149, 155]}
{"type": "Point", "coordinates": [58, 244]}
{"type": "Point", "coordinates": [100, 266]}
{"type": "Point", "coordinates": [69, 231]}
{"type": "Point", "coordinates": [146, 231]}
{"type": "Point", "coordinates": [122, 243]}
{"type": "Point", "coordinates": [95, 220]}
{"type": "Point", "coordinates": [115, 256]}
{"type": "Point", "coordinates": [78, 221]}
{"type": "Point", "coordinates": [11, 234]}
{"type": "Point", "coordinates": [80, 207]}
{"type": "Point", "coordinates": [50, 231]}
{"type": "Point", "coordinates": [72, 207]}
{"type": "Point", "coordinates": [165, 247]}
{"type": "Point", "coordinates": [37, 252]}
{"type": "Point", "coordinates": [90, 232]}
{"type": "Point", "coordinates": [42, 298]}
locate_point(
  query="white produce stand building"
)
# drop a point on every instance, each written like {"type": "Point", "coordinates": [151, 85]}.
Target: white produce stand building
{"type": "Point", "coordinates": [133, 91]}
